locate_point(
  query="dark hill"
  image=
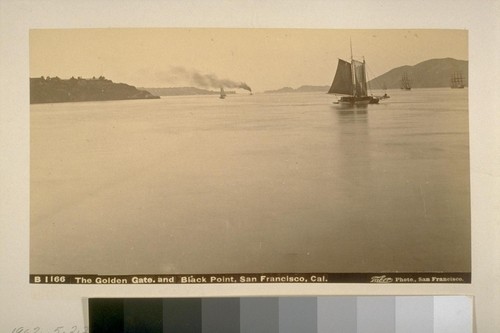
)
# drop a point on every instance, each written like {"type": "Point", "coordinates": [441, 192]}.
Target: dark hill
{"type": "Point", "coordinates": [432, 73]}
{"type": "Point", "coordinates": [56, 90]}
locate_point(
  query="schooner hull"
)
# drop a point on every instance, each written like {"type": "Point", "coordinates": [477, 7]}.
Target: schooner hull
{"type": "Point", "coordinates": [351, 100]}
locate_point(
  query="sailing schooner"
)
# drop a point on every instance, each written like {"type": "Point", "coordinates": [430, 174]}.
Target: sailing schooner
{"type": "Point", "coordinates": [457, 81]}
{"type": "Point", "coordinates": [405, 82]}
{"type": "Point", "coordinates": [350, 80]}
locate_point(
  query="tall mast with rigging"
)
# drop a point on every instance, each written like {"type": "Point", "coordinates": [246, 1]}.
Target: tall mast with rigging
{"type": "Point", "coordinates": [353, 74]}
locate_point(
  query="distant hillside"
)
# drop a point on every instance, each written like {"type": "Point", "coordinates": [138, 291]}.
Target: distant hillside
{"type": "Point", "coordinates": [182, 91]}
{"type": "Point", "coordinates": [432, 73]}
{"type": "Point", "coordinates": [300, 89]}
{"type": "Point", "coordinates": [56, 90]}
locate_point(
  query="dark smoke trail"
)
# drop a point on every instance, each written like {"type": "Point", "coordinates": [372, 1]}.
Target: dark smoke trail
{"type": "Point", "coordinates": [243, 85]}
{"type": "Point", "coordinates": [176, 74]}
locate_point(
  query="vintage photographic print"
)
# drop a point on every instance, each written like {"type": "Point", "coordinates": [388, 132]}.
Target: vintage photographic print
{"type": "Point", "coordinates": [249, 156]}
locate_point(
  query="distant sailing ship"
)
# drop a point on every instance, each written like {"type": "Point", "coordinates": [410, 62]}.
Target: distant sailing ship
{"type": "Point", "coordinates": [405, 82]}
{"type": "Point", "coordinates": [350, 80]}
{"type": "Point", "coordinates": [457, 81]}
{"type": "Point", "coordinates": [222, 93]}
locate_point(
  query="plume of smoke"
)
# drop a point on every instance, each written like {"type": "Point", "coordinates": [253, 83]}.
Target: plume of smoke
{"type": "Point", "coordinates": [181, 74]}
{"type": "Point", "coordinates": [243, 85]}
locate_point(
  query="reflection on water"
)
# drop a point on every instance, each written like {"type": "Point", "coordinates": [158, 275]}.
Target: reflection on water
{"type": "Point", "coordinates": [262, 183]}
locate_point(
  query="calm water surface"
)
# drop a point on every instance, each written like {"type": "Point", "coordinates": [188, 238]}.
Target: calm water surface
{"type": "Point", "coordinates": [262, 183]}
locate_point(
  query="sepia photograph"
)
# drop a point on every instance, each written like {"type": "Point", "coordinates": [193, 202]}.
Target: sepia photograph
{"type": "Point", "coordinates": [267, 153]}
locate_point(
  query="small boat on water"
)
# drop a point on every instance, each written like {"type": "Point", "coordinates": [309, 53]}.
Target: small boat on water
{"type": "Point", "coordinates": [384, 96]}
{"type": "Point", "coordinates": [222, 93]}
{"type": "Point", "coordinates": [457, 81]}
{"type": "Point", "coordinates": [405, 82]}
{"type": "Point", "coordinates": [350, 80]}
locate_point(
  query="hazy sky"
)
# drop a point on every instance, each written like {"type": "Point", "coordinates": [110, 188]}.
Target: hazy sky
{"type": "Point", "coordinates": [263, 58]}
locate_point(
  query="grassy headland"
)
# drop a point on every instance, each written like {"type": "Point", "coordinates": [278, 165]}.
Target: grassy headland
{"type": "Point", "coordinates": [56, 90]}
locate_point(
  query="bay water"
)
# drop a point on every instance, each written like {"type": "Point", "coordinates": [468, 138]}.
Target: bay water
{"type": "Point", "coordinates": [251, 183]}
